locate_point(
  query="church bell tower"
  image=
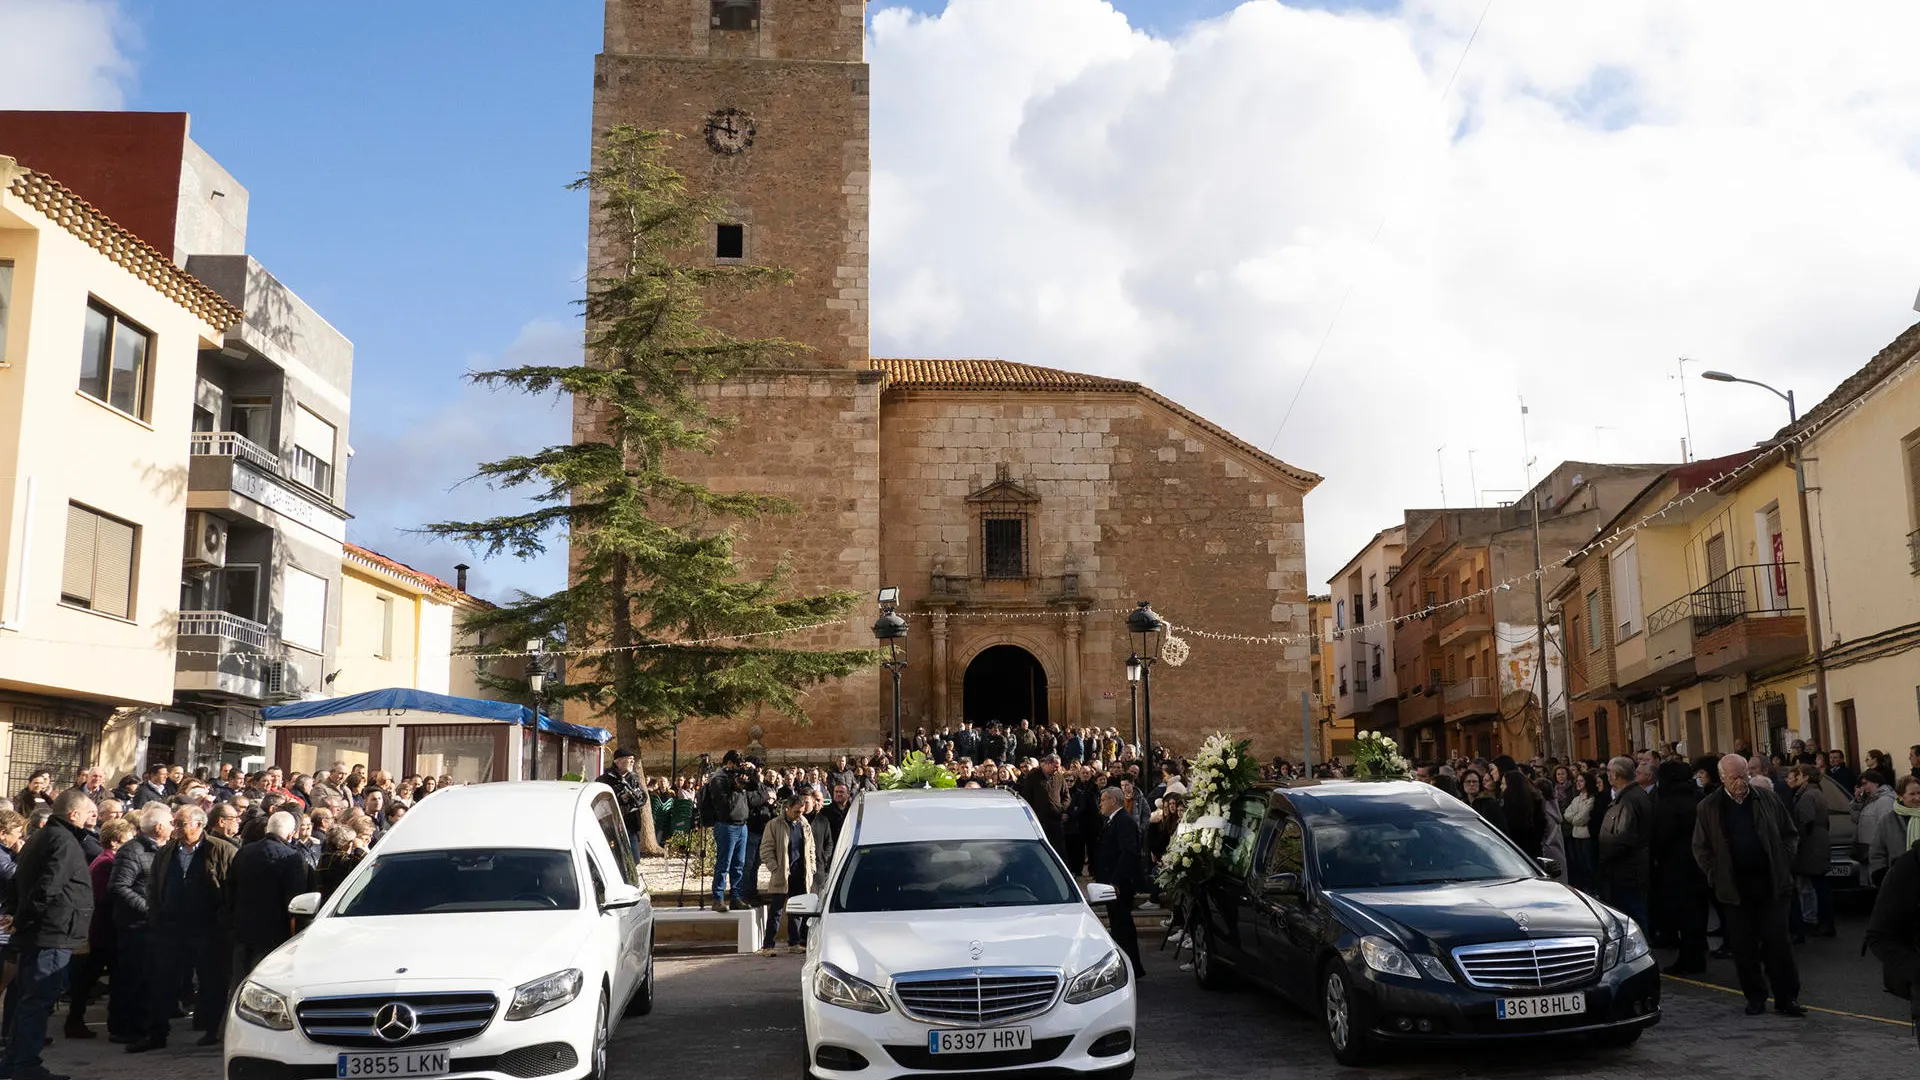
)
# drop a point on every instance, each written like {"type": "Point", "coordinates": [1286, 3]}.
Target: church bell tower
{"type": "Point", "coordinates": [769, 99]}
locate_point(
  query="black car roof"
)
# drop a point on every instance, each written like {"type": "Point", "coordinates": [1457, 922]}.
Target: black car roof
{"type": "Point", "coordinates": [1362, 798]}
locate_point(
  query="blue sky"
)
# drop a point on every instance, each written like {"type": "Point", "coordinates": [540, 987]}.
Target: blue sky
{"type": "Point", "coordinates": [406, 164]}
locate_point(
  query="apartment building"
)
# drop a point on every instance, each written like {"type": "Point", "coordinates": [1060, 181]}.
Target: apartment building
{"type": "Point", "coordinates": [100, 334]}
{"type": "Point", "coordinates": [402, 627]}
{"type": "Point", "coordinates": [1361, 648]}
{"type": "Point", "coordinates": [251, 612]}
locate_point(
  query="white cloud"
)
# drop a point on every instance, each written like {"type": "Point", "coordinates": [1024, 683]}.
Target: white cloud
{"type": "Point", "coordinates": [63, 54]}
{"type": "Point", "coordinates": [1607, 188]}
{"type": "Point", "coordinates": [410, 472]}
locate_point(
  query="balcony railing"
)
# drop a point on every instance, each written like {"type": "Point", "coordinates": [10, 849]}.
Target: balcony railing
{"type": "Point", "coordinates": [1359, 684]}
{"type": "Point", "coordinates": [1453, 613]}
{"type": "Point", "coordinates": [234, 445]}
{"type": "Point", "coordinates": [231, 627]}
{"type": "Point", "coordinates": [1760, 589]}
{"type": "Point", "coordinates": [1478, 686]}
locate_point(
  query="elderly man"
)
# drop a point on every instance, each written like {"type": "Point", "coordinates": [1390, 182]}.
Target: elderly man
{"type": "Point", "coordinates": [1744, 840]}
{"type": "Point", "coordinates": [224, 824]}
{"type": "Point", "coordinates": [1625, 834]}
{"type": "Point", "coordinates": [1116, 862]}
{"type": "Point", "coordinates": [186, 901]}
{"type": "Point", "coordinates": [264, 878]}
{"type": "Point", "coordinates": [1045, 790]}
{"type": "Point", "coordinates": [127, 883]}
{"type": "Point", "coordinates": [786, 847]}
{"type": "Point", "coordinates": [333, 785]}
{"type": "Point", "coordinates": [53, 905]}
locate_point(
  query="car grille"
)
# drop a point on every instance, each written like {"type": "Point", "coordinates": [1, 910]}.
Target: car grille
{"type": "Point", "coordinates": [441, 1018]}
{"type": "Point", "coordinates": [1529, 965]}
{"type": "Point", "coordinates": [976, 996]}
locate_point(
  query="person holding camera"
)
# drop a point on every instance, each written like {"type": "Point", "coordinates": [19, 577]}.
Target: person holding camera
{"type": "Point", "coordinates": [724, 807]}
{"type": "Point", "coordinates": [627, 792]}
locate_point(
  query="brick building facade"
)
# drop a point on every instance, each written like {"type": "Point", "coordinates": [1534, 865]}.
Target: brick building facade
{"type": "Point", "coordinates": [1021, 510]}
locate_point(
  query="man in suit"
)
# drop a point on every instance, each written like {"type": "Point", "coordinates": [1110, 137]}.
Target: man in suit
{"type": "Point", "coordinates": [186, 904]}
{"type": "Point", "coordinates": [1116, 862]}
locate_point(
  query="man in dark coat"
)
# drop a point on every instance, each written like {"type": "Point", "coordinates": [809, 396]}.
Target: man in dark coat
{"type": "Point", "coordinates": [1045, 790]}
{"type": "Point", "coordinates": [53, 905]}
{"type": "Point", "coordinates": [187, 903]}
{"type": "Point", "coordinates": [127, 890]}
{"type": "Point", "coordinates": [1744, 841]}
{"type": "Point", "coordinates": [1678, 885]}
{"type": "Point", "coordinates": [1893, 931]}
{"type": "Point", "coordinates": [626, 791]}
{"type": "Point", "coordinates": [265, 877]}
{"type": "Point", "coordinates": [1116, 862]}
{"type": "Point", "coordinates": [154, 789]}
{"type": "Point", "coordinates": [1624, 836]}
{"type": "Point", "coordinates": [1083, 819]}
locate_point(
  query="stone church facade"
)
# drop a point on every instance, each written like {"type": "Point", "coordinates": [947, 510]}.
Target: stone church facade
{"type": "Point", "coordinates": [1021, 510]}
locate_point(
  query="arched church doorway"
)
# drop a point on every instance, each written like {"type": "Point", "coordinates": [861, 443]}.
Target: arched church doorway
{"type": "Point", "coordinates": [1005, 685]}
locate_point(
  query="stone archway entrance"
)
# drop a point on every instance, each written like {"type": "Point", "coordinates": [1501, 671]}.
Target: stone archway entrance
{"type": "Point", "coordinates": [1005, 685]}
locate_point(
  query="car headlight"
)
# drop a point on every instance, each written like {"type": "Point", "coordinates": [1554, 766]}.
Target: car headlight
{"type": "Point", "coordinates": [258, 1005]}
{"type": "Point", "coordinates": [1633, 945]}
{"type": "Point", "coordinates": [1101, 979]}
{"type": "Point", "coordinates": [1435, 967]}
{"type": "Point", "coordinates": [543, 995]}
{"type": "Point", "coordinates": [836, 987]}
{"type": "Point", "coordinates": [1387, 958]}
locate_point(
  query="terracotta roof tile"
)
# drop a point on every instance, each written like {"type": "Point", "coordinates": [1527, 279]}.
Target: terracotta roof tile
{"type": "Point", "coordinates": [394, 566]}
{"type": "Point", "coordinates": [1006, 375]}
{"type": "Point", "coordinates": [81, 218]}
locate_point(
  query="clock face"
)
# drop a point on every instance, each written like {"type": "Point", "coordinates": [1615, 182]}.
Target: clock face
{"type": "Point", "coordinates": [729, 132]}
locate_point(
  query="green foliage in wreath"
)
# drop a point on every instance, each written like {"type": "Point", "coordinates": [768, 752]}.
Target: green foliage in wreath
{"type": "Point", "coordinates": [917, 771]}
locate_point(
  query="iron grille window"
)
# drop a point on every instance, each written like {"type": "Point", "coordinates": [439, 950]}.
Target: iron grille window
{"type": "Point", "coordinates": [736, 14]}
{"type": "Point", "coordinates": [1003, 541]}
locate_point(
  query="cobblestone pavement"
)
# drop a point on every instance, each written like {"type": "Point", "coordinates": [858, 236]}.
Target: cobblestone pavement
{"type": "Point", "coordinates": [739, 1016]}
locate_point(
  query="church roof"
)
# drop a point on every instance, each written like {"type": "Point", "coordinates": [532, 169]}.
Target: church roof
{"type": "Point", "coordinates": [1005, 375]}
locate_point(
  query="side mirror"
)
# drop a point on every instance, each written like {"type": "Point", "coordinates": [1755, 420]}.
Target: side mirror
{"type": "Point", "coordinates": [307, 903]}
{"type": "Point", "coordinates": [1551, 866]}
{"type": "Point", "coordinates": [1101, 894]}
{"type": "Point", "coordinates": [805, 906]}
{"type": "Point", "coordinates": [622, 895]}
{"type": "Point", "coordinates": [1284, 885]}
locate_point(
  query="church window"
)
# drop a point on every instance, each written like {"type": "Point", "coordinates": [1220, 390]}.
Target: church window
{"type": "Point", "coordinates": [730, 242]}
{"type": "Point", "coordinates": [736, 14]}
{"type": "Point", "coordinates": [1004, 542]}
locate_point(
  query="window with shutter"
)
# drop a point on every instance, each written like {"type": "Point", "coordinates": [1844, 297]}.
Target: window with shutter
{"type": "Point", "coordinates": [1593, 619]}
{"type": "Point", "coordinates": [313, 441]}
{"type": "Point", "coordinates": [98, 571]}
{"type": "Point", "coordinates": [1913, 476]}
{"type": "Point", "coordinates": [303, 612]}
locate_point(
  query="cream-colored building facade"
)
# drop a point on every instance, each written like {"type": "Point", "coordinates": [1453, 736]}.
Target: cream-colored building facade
{"type": "Point", "coordinates": [101, 336]}
{"type": "Point", "coordinates": [401, 628]}
{"type": "Point", "coordinates": [1864, 474]}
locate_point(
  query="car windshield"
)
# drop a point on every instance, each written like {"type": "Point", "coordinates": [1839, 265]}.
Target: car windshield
{"type": "Point", "coordinates": [439, 882]}
{"type": "Point", "coordinates": [927, 875]}
{"type": "Point", "coordinates": [1411, 849]}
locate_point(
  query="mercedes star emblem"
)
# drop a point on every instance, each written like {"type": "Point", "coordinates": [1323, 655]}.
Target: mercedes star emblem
{"type": "Point", "coordinates": [1520, 919]}
{"type": "Point", "coordinates": [976, 950]}
{"type": "Point", "coordinates": [395, 1021]}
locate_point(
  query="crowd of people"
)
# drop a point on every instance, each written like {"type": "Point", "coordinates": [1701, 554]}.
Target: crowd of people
{"type": "Point", "coordinates": [159, 895]}
{"type": "Point", "coordinates": [1736, 846]}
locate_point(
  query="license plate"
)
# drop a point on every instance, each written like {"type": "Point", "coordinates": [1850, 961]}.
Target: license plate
{"type": "Point", "coordinates": [985, 1041]}
{"type": "Point", "coordinates": [1540, 1008]}
{"type": "Point", "coordinates": [396, 1063]}
{"type": "Point", "coordinates": [1840, 871]}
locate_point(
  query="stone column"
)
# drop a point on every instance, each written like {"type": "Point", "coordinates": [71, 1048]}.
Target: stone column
{"type": "Point", "coordinates": [939, 672]}
{"type": "Point", "coordinates": [1070, 626]}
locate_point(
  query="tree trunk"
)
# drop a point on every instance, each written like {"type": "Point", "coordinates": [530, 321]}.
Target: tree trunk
{"type": "Point", "coordinates": [627, 726]}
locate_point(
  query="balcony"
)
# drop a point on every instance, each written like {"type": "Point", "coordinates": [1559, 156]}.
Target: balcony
{"type": "Point", "coordinates": [1465, 618]}
{"type": "Point", "coordinates": [224, 656]}
{"type": "Point", "coordinates": [1662, 654]}
{"type": "Point", "coordinates": [1745, 621]}
{"type": "Point", "coordinates": [229, 472]}
{"type": "Point", "coordinates": [1469, 697]}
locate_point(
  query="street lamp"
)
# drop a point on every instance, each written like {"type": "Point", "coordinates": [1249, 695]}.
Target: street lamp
{"type": "Point", "coordinates": [1146, 628]}
{"type": "Point", "coordinates": [1806, 552]}
{"type": "Point", "coordinates": [1133, 697]}
{"type": "Point", "coordinates": [537, 675]}
{"type": "Point", "coordinates": [892, 629]}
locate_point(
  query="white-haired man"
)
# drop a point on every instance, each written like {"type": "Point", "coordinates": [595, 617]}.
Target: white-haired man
{"type": "Point", "coordinates": [187, 904]}
{"type": "Point", "coordinates": [1744, 841]}
{"type": "Point", "coordinates": [265, 877]}
{"type": "Point", "coordinates": [134, 949]}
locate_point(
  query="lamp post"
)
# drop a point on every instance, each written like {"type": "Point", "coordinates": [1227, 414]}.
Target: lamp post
{"type": "Point", "coordinates": [1146, 628]}
{"type": "Point", "coordinates": [892, 629]}
{"type": "Point", "coordinates": [537, 684]}
{"type": "Point", "coordinates": [1133, 697]}
{"type": "Point", "coordinates": [1806, 555]}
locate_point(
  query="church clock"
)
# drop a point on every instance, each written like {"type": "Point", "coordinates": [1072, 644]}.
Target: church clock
{"type": "Point", "coordinates": [729, 132]}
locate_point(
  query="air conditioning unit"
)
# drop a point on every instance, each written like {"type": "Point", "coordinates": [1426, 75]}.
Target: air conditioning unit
{"type": "Point", "coordinates": [206, 540]}
{"type": "Point", "coordinates": [283, 681]}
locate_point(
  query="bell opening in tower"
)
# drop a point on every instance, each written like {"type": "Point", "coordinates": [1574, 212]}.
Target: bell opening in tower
{"type": "Point", "coordinates": [736, 14]}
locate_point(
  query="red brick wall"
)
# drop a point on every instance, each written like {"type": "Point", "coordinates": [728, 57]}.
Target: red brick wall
{"type": "Point", "coordinates": [125, 163]}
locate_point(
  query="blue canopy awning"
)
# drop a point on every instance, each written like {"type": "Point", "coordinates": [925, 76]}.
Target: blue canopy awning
{"type": "Point", "coordinates": [403, 700]}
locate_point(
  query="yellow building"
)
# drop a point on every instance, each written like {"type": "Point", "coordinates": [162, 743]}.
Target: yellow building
{"type": "Point", "coordinates": [400, 628]}
{"type": "Point", "coordinates": [100, 335]}
{"type": "Point", "coordinates": [1863, 473]}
